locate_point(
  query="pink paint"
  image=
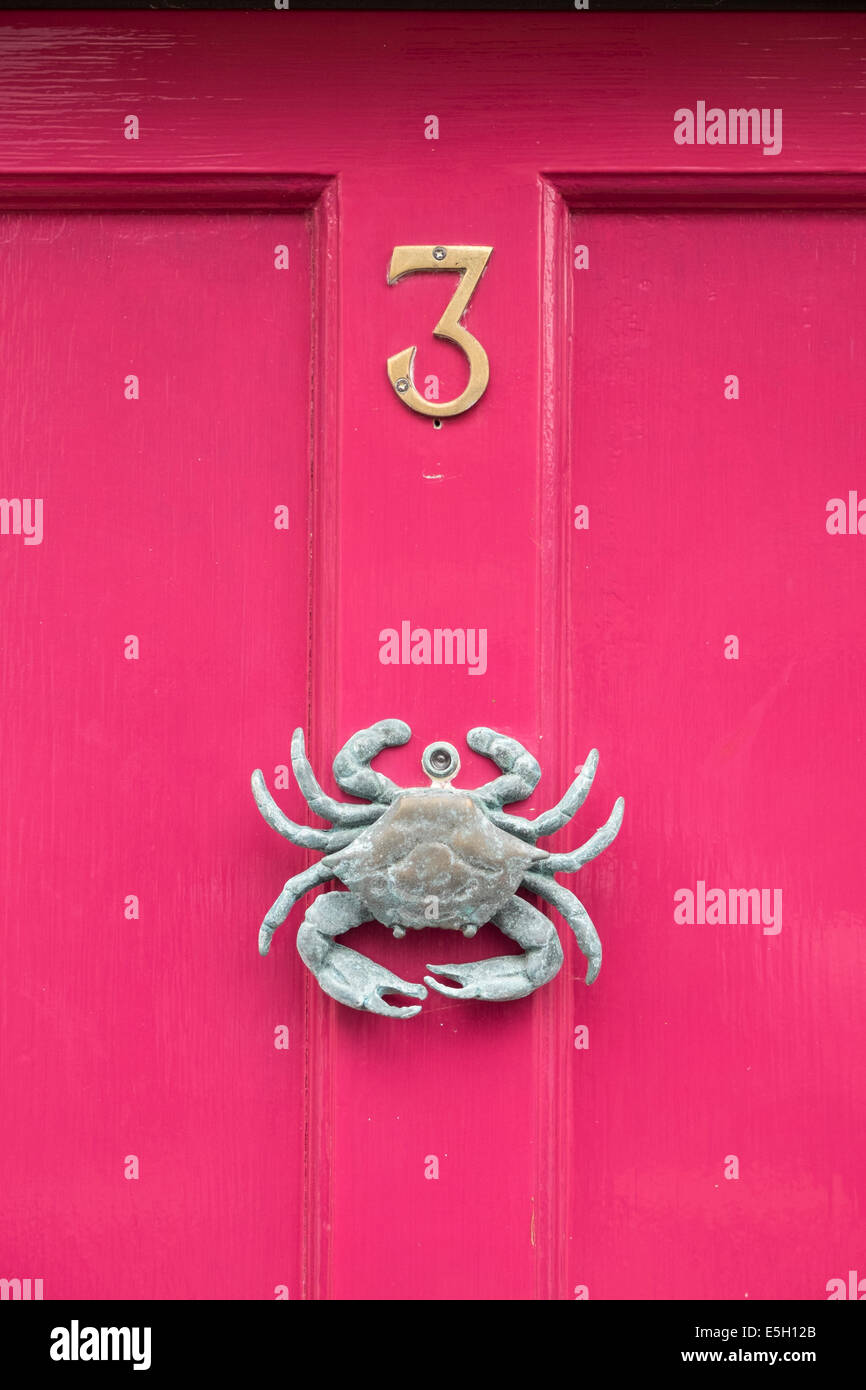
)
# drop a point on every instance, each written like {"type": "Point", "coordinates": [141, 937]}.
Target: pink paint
{"type": "Point", "coordinates": [310, 1169]}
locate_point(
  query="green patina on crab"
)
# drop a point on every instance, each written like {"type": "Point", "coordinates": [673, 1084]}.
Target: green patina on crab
{"type": "Point", "coordinates": [439, 856]}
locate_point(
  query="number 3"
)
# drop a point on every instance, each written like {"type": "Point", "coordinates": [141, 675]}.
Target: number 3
{"type": "Point", "coordinates": [471, 261]}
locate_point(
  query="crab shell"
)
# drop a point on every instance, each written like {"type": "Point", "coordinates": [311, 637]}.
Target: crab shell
{"type": "Point", "coordinates": [433, 859]}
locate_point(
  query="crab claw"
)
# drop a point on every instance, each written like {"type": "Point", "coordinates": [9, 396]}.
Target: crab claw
{"type": "Point", "coordinates": [346, 975]}
{"type": "Point", "coordinates": [375, 1004]}
{"type": "Point", "coordinates": [504, 977]}
{"type": "Point", "coordinates": [352, 979]}
{"type": "Point", "coordinates": [465, 990]}
{"type": "Point", "coordinates": [507, 977]}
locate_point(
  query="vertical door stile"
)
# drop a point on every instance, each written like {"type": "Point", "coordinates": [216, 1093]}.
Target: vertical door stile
{"type": "Point", "coordinates": [556, 724]}
{"type": "Point", "coordinates": [322, 676]}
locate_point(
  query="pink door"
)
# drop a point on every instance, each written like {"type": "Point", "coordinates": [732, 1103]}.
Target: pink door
{"type": "Point", "coordinates": [648, 537]}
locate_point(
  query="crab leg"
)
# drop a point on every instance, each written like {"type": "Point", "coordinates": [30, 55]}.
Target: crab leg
{"type": "Point", "coordinates": [337, 812]}
{"type": "Point", "coordinates": [522, 769]}
{"type": "Point", "coordinates": [559, 815]}
{"type": "Point", "coordinates": [575, 914]}
{"type": "Point", "coordinates": [346, 975]}
{"type": "Point", "coordinates": [508, 977]}
{"type": "Point", "coordinates": [293, 890]}
{"type": "Point", "coordinates": [576, 858]}
{"type": "Point", "coordinates": [305, 835]}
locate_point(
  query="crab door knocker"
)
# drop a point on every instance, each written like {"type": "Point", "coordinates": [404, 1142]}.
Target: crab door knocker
{"type": "Point", "coordinates": [433, 856]}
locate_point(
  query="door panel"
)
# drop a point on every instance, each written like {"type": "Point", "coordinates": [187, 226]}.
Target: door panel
{"type": "Point", "coordinates": [708, 521]}
{"type": "Point", "coordinates": [138, 1024]}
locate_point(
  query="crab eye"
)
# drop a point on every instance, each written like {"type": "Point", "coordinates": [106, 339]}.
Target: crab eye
{"type": "Point", "coordinates": [440, 760]}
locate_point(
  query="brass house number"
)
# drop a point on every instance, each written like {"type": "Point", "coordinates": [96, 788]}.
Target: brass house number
{"type": "Point", "coordinates": [471, 262]}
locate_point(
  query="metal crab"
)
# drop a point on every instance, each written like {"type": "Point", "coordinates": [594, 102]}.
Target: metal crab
{"type": "Point", "coordinates": [433, 856]}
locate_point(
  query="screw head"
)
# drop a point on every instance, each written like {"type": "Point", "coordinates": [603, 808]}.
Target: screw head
{"type": "Point", "coordinates": [402, 385]}
{"type": "Point", "coordinates": [439, 253]}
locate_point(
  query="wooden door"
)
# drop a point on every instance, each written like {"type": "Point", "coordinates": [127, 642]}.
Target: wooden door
{"type": "Point", "coordinates": [636, 525]}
